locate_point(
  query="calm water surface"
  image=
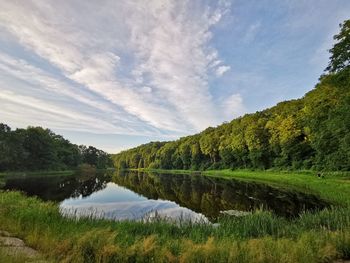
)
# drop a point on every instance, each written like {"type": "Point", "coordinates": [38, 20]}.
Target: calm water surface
{"type": "Point", "coordinates": [140, 196]}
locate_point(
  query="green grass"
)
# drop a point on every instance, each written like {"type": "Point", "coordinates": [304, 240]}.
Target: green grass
{"type": "Point", "coordinates": [260, 237]}
{"type": "Point", "coordinates": [335, 187]}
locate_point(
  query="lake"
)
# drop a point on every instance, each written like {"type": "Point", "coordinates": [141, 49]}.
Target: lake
{"type": "Point", "coordinates": [130, 195]}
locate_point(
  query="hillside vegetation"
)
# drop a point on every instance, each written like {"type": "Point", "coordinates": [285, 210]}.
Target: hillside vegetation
{"type": "Point", "coordinates": [312, 132]}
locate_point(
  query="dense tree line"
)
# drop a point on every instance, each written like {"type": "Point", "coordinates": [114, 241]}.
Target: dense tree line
{"type": "Point", "coordinates": [308, 133]}
{"type": "Point", "coordinates": [36, 148]}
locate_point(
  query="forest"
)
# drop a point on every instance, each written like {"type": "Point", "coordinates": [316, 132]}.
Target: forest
{"type": "Point", "coordinates": [36, 148]}
{"type": "Point", "coordinates": [312, 132]}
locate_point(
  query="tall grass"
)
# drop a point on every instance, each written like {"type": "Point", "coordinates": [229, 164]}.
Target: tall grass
{"type": "Point", "coordinates": [259, 237]}
{"type": "Point", "coordinates": [7, 257]}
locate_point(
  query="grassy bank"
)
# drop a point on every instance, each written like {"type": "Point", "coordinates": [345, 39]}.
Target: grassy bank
{"type": "Point", "coordinates": [260, 237]}
{"type": "Point", "coordinates": [334, 187]}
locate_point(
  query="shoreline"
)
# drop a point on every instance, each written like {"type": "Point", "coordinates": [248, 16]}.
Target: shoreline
{"type": "Point", "coordinates": [322, 236]}
{"type": "Point", "coordinates": [334, 188]}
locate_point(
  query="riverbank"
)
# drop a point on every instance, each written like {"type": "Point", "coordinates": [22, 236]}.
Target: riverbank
{"type": "Point", "coordinates": [36, 173]}
{"type": "Point", "coordinates": [333, 187]}
{"type": "Point", "coordinates": [51, 172]}
{"type": "Point", "coordinates": [260, 237]}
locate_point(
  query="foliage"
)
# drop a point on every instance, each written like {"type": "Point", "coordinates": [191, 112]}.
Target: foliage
{"type": "Point", "coordinates": [308, 133]}
{"type": "Point", "coordinates": [311, 132]}
{"type": "Point", "coordinates": [340, 57]}
{"type": "Point", "coordinates": [36, 148]}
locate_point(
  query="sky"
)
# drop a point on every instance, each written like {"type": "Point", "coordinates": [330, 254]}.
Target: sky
{"type": "Point", "coordinates": [116, 74]}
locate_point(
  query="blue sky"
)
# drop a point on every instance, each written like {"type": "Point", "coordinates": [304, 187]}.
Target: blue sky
{"type": "Point", "coordinates": [115, 74]}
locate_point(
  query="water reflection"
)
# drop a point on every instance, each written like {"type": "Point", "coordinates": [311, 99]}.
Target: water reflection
{"type": "Point", "coordinates": [118, 203]}
{"type": "Point", "coordinates": [58, 187]}
{"type": "Point", "coordinates": [210, 196]}
{"type": "Point", "coordinates": [134, 195]}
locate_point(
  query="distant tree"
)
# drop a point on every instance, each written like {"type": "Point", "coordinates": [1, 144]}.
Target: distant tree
{"type": "Point", "coordinates": [5, 132]}
{"type": "Point", "coordinates": [165, 155]}
{"type": "Point", "coordinates": [311, 132]}
{"type": "Point", "coordinates": [96, 157]}
{"type": "Point", "coordinates": [185, 154]}
{"type": "Point", "coordinates": [36, 148]}
{"type": "Point", "coordinates": [135, 160]}
{"type": "Point", "coordinates": [196, 155]}
{"type": "Point", "coordinates": [40, 146]}
{"type": "Point", "coordinates": [4, 128]}
{"type": "Point", "coordinates": [340, 53]}
{"type": "Point", "coordinates": [209, 144]}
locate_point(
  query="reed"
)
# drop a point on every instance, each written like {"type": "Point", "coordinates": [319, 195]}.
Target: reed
{"type": "Point", "coordinates": [260, 237]}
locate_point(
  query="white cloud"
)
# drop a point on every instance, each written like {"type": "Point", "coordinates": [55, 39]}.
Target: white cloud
{"type": "Point", "coordinates": [222, 70]}
{"type": "Point", "coordinates": [172, 48]}
{"type": "Point", "coordinates": [145, 64]}
{"type": "Point", "coordinates": [233, 106]}
{"type": "Point", "coordinates": [49, 112]}
{"type": "Point", "coordinates": [21, 70]}
{"type": "Point", "coordinates": [57, 97]}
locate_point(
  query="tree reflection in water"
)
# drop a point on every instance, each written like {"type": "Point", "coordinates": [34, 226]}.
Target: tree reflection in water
{"type": "Point", "coordinates": [59, 187]}
{"type": "Point", "coordinates": [201, 194]}
{"type": "Point", "coordinates": [209, 195]}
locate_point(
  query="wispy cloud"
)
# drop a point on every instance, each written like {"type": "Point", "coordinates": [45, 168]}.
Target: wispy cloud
{"type": "Point", "coordinates": [251, 32]}
{"type": "Point", "coordinates": [54, 98]}
{"type": "Point", "coordinates": [221, 70]}
{"type": "Point", "coordinates": [145, 64]}
{"type": "Point", "coordinates": [233, 106]}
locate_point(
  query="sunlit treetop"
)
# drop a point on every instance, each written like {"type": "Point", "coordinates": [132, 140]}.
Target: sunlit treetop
{"type": "Point", "coordinates": [340, 53]}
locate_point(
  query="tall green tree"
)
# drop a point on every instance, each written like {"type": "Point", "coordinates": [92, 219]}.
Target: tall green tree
{"type": "Point", "coordinates": [340, 53]}
{"type": "Point", "coordinates": [42, 155]}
